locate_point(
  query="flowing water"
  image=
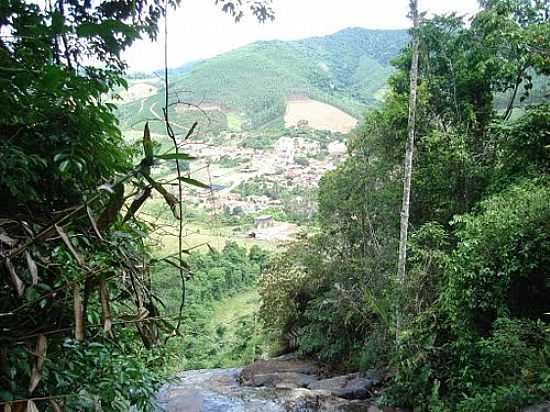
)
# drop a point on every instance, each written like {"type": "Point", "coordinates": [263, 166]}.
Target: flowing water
{"type": "Point", "coordinates": [218, 390]}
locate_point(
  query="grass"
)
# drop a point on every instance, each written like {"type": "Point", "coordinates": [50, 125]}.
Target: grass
{"type": "Point", "coordinates": [234, 122]}
{"type": "Point", "coordinates": [230, 310]}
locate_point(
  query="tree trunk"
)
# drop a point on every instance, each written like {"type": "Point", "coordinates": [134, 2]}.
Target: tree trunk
{"type": "Point", "coordinates": [411, 129]}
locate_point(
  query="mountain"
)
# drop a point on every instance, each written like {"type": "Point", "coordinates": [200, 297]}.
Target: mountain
{"type": "Point", "coordinates": [249, 87]}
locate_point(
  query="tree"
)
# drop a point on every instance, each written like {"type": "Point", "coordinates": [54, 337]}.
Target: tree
{"type": "Point", "coordinates": [411, 129]}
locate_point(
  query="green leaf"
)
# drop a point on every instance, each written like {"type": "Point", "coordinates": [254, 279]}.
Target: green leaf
{"type": "Point", "coordinates": [148, 145]}
{"type": "Point", "coordinates": [58, 22]}
{"type": "Point", "coordinates": [175, 156]}
{"type": "Point", "coordinates": [194, 182]}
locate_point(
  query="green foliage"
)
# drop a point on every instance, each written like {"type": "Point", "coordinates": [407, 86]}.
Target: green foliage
{"type": "Point", "coordinates": [474, 310]}
{"type": "Point", "coordinates": [71, 264]}
{"type": "Point", "coordinates": [497, 266]}
{"type": "Point", "coordinates": [258, 142]}
{"type": "Point", "coordinates": [135, 369]}
{"type": "Point", "coordinates": [216, 276]}
{"type": "Point", "coordinates": [228, 162]}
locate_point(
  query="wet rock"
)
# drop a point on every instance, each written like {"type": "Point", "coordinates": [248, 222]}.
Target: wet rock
{"type": "Point", "coordinates": [284, 384]}
{"type": "Point", "coordinates": [358, 388]}
{"type": "Point", "coordinates": [374, 408]}
{"type": "Point", "coordinates": [352, 386]}
{"type": "Point", "coordinates": [543, 407]}
{"type": "Point", "coordinates": [304, 400]}
{"type": "Point", "coordinates": [218, 390]}
{"type": "Point", "coordinates": [282, 380]}
{"type": "Point", "coordinates": [332, 384]}
{"type": "Point", "coordinates": [263, 372]}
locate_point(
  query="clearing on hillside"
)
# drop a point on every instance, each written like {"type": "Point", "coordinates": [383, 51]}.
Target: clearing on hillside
{"type": "Point", "coordinates": [320, 116]}
{"type": "Point", "coordinates": [138, 91]}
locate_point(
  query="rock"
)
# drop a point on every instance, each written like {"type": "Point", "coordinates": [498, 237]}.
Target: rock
{"type": "Point", "coordinates": [282, 380]}
{"type": "Point", "coordinates": [543, 407]}
{"type": "Point", "coordinates": [352, 386]}
{"type": "Point", "coordinates": [374, 408]}
{"type": "Point", "coordinates": [320, 400]}
{"type": "Point", "coordinates": [357, 388]}
{"type": "Point", "coordinates": [218, 390]}
{"type": "Point", "coordinates": [332, 384]}
{"type": "Point", "coordinates": [263, 372]}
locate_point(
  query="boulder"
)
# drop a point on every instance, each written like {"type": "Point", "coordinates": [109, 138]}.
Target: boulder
{"type": "Point", "coordinates": [543, 407]}
{"type": "Point", "coordinates": [319, 400]}
{"type": "Point", "coordinates": [288, 380]}
{"type": "Point", "coordinates": [357, 388]}
{"type": "Point", "coordinates": [331, 384]}
{"type": "Point", "coordinates": [352, 386]}
{"type": "Point", "coordinates": [273, 371]}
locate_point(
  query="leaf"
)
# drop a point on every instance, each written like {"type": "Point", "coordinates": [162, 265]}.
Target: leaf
{"type": "Point", "coordinates": [93, 222]}
{"type": "Point", "coordinates": [111, 211]}
{"type": "Point", "coordinates": [194, 182]}
{"type": "Point", "coordinates": [7, 240]}
{"type": "Point", "coordinates": [106, 187]}
{"type": "Point", "coordinates": [52, 78]}
{"type": "Point", "coordinates": [31, 264]}
{"type": "Point", "coordinates": [17, 282]}
{"type": "Point", "coordinates": [181, 266]}
{"type": "Point", "coordinates": [175, 156]}
{"type": "Point", "coordinates": [147, 143]}
{"type": "Point", "coordinates": [170, 199]}
{"type": "Point", "coordinates": [78, 314]}
{"type": "Point", "coordinates": [31, 406]}
{"type": "Point", "coordinates": [137, 203]}
{"type": "Point", "coordinates": [55, 406]}
{"type": "Point", "coordinates": [105, 308]}
{"type": "Point", "coordinates": [69, 245]}
{"type": "Point", "coordinates": [40, 353]}
{"type": "Point", "coordinates": [57, 25]}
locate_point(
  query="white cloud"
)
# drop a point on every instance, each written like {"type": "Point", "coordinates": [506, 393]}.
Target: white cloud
{"type": "Point", "coordinates": [198, 29]}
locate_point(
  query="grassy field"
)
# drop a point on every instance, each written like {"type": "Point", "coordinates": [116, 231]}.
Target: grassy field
{"type": "Point", "coordinates": [199, 236]}
{"type": "Point", "coordinates": [229, 311]}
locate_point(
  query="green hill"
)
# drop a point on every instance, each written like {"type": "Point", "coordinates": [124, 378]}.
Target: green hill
{"type": "Point", "coordinates": [251, 84]}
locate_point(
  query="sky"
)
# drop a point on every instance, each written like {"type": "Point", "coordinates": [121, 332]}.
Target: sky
{"type": "Point", "coordinates": [198, 29]}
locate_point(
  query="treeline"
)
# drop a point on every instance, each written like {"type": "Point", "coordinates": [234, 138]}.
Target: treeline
{"type": "Point", "coordinates": [474, 310]}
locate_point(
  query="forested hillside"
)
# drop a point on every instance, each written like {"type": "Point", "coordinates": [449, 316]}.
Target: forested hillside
{"type": "Point", "coordinates": [348, 69]}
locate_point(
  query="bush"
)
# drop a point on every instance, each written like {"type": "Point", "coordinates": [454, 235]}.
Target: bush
{"type": "Point", "coordinates": [483, 346]}
{"type": "Point", "coordinates": [500, 266]}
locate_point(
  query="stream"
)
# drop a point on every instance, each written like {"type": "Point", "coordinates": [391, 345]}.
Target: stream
{"type": "Point", "coordinates": [219, 390]}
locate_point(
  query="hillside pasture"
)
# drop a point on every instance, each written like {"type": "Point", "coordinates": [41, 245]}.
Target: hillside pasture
{"type": "Point", "coordinates": [320, 116]}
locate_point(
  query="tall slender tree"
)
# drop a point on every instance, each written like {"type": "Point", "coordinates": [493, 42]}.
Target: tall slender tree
{"type": "Point", "coordinates": [411, 131]}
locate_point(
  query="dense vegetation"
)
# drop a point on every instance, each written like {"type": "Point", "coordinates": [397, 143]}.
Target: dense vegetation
{"type": "Point", "coordinates": [345, 69]}
{"type": "Point", "coordinates": [215, 276]}
{"type": "Point", "coordinates": [91, 316]}
{"type": "Point", "coordinates": [474, 310]}
{"type": "Point", "coordinates": [81, 326]}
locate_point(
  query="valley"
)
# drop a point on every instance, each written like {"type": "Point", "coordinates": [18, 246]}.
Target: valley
{"type": "Point", "coordinates": [272, 118]}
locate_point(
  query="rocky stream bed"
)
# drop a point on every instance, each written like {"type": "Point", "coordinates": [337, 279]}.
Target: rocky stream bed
{"type": "Point", "coordinates": [276, 385]}
{"type": "Point", "coordinates": [284, 384]}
